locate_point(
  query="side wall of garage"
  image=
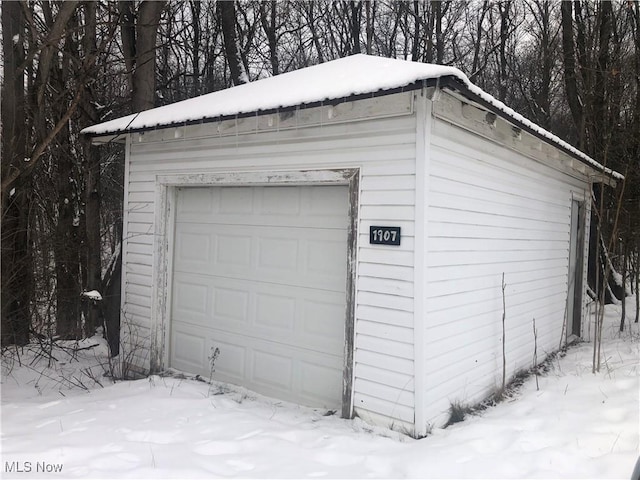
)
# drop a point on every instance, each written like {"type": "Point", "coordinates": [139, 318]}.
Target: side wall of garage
{"type": "Point", "coordinates": [499, 207]}
{"type": "Point", "coordinates": [376, 136]}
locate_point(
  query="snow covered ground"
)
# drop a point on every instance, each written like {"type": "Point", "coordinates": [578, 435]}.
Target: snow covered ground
{"type": "Point", "coordinates": [577, 425]}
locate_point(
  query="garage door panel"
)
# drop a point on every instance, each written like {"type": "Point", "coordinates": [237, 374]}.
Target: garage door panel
{"type": "Point", "coordinates": [293, 256]}
{"type": "Point", "coordinates": [269, 220]}
{"type": "Point", "coordinates": [193, 348]}
{"type": "Point", "coordinates": [269, 368]}
{"type": "Point", "coordinates": [279, 254]}
{"type": "Point", "coordinates": [326, 201]}
{"type": "Point", "coordinates": [188, 351]}
{"type": "Point", "coordinates": [231, 305]}
{"type": "Point", "coordinates": [320, 381]}
{"type": "Point", "coordinates": [268, 206]}
{"type": "Point", "coordinates": [233, 251]}
{"type": "Point", "coordinates": [196, 201]}
{"type": "Point", "coordinates": [193, 246]}
{"type": "Point", "coordinates": [234, 200]}
{"type": "Point", "coordinates": [272, 369]}
{"type": "Point", "coordinates": [280, 201]}
{"type": "Point", "coordinates": [324, 319]}
{"type": "Point", "coordinates": [232, 365]}
{"type": "Point", "coordinates": [276, 312]}
{"type": "Point", "coordinates": [305, 317]}
{"type": "Point", "coordinates": [309, 317]}
{"type": "Point", "coordinates": [192, 298]}
{"type": "Point", "coordinates": [268, 290]}
{"type": "Point", "coordinates": [303, 261]}
{"type": "Point", "coordinates": [317, 252]}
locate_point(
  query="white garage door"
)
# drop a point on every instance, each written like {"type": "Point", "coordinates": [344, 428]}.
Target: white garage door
{"type": "Point", "coordinates": [260, 273]}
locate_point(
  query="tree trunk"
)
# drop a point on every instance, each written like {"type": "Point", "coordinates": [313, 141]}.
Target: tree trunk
{"type": "Point", "coordinates": [314, 34]}
{"type": "Point", "coordinates": [91, 173]}
{"type": "Point", "coordinates": [128, 36]}
{"type": "Point", "coordinates": [439, 10]}
{"type": "Point", "coordinates": [356, 21]}
{"type": "Point", "coordinates": [196, 9]}
{"type": "Point", "coordinates": [370, 14]}
{"type": "Point", "coordinates": [505, 12]}
{"type": "Point", "coordinates": [637, 280]}
{"type": "Point", "coordinates": [570, 70]}
{"type": "Point", "coordinates": [623, 314]}
{"type": "Point", "coordinates": [415, 46]}
{"type": "Point", "coordinates": [476, 65]}
{"type": "Point", "coordinates": [144, 74]}
{"type": "Point", "coordinates": [91, 169]}
{"type": "Point", "coordinates": [68, 234]}
{"type": "Point", "coordinates": [67, 251]}
{"type": "Point", "coordinates": [17, 278]}
{"type": "Point", "coordinates": [268, 21]}
{"type": "Point", "coordinates": [227, 13]}
{"type": "Point", "coordinates": [428, 34]}
{"type": "Point", "coordinates": [543, 97]}
{"type": "Point", "coordinates": [600, 126]}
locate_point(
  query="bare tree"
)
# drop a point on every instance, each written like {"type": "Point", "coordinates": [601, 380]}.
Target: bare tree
{"type": "Point", "coordinates": [268, 20]}
{"type": "Point", "coordinates": [16, 199]}
{"type": "Point", "coordinates": [572, 67]}
{"type": "Point", "coordinates": [227, 12]}
{"type": "Point", "coordinates": [478, 43]}
{"type": "Point", "coordinates": [91, 172]}
{"type": "Point", "coordinates": [139, 44]}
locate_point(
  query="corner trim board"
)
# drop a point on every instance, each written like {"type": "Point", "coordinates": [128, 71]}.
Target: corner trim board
{"type": "Point", "coordinates": [423, 156]}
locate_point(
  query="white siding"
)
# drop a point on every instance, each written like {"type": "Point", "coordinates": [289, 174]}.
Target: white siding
{"type": "Point", "coordinates": [490, 211]}
{"type": "Point", "coordinates": [384, 150]}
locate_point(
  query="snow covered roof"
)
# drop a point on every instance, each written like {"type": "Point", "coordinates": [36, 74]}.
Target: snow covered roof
{"type": "Point", "coordinates": [343, 78]}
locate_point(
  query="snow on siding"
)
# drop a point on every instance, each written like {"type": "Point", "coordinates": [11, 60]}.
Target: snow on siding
{"type": "Point", "coordinates": [488, 215]}
{"type": "Point", "coordinates": [384, 149]}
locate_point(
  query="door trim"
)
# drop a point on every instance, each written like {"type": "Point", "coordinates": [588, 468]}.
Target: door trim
{"type": "Point", "coordinates": [575, 280]}
{"type": "Point", "coordinates": [165, 201]}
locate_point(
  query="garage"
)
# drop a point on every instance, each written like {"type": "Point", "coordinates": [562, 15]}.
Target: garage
{"type": "Point", "coordinates": [259, 272]}
{"type": "Point", "coordinates": [349, 237]}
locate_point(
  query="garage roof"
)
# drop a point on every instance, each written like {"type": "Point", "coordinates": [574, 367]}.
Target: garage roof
{"type": "Point", "coordinates": [345, 78]}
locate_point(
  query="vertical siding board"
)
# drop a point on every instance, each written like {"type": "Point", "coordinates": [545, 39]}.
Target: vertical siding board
{"type": "Point", "coordinates": [491, 211]}
{"type": "Point", "coordinates": [384, 151]}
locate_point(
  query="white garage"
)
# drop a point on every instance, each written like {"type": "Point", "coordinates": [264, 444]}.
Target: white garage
{"type": "Point", "coordinates": [260, 273]}
{"type": "Point", "coordinates": [340, 233]}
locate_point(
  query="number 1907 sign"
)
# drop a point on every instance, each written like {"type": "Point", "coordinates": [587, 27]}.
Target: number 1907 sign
{"type": "Point", "coordinates": [384, 235]}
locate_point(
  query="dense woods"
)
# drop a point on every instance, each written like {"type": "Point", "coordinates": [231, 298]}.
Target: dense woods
{"type": "Point", "coordinates": [572, 67]}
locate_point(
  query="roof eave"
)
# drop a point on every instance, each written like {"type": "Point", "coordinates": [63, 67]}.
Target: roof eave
{"type": "Point", "coordinates": [114, 134]}
{"type": "Point", "coordinates": [599, 175]}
